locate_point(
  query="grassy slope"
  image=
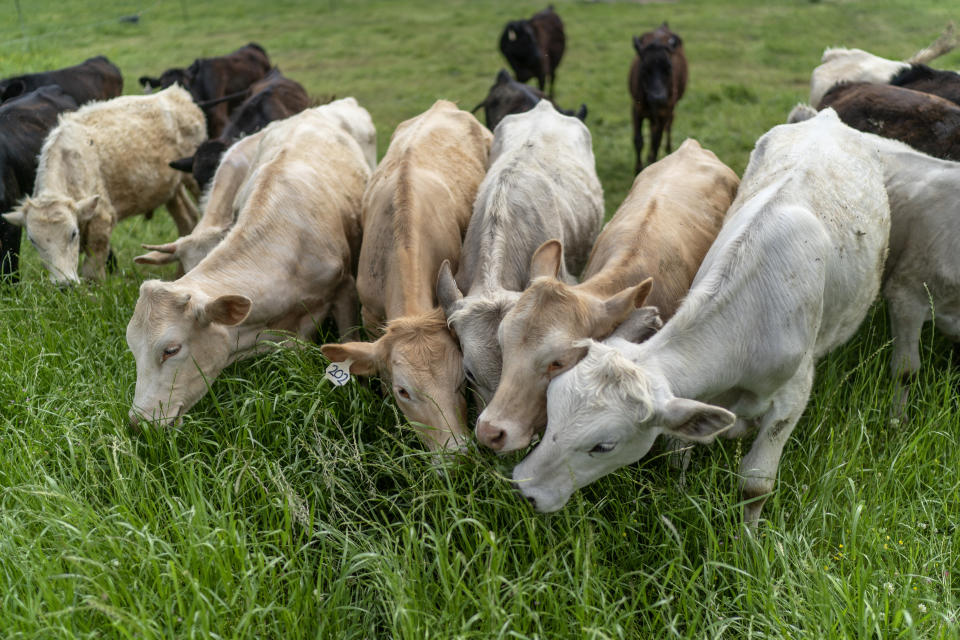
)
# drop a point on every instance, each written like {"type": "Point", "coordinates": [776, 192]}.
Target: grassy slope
{"type": "Point", "coordinates": [283, 508]}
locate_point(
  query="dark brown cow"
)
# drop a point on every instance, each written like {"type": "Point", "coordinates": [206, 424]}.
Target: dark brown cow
{"type": "Point", "coordinates": [93, 79]}
{"type": "Point", "coordinates": [920, 77]}
{"type": "Point", "coordinates": [508, 96]}
{"type": "Point", "coordinates": [658, 78]}
{"type": "Point", "coordinates": [534, 47]}
{"type": "Point", "coordinates": [209, 79]}
{"type": "Point", "coordinates": [926, 122]}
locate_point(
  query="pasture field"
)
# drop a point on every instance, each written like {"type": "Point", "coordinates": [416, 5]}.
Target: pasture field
{"type": "Point", "coordinates": [283, 508]}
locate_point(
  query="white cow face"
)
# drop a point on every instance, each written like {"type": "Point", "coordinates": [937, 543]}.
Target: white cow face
{"type": "Point", "coordinates": [53, 228]}
{"type": "Point", "coordinates": [602, 414]}
{"type": "Point", "coordinates": [181, 341]}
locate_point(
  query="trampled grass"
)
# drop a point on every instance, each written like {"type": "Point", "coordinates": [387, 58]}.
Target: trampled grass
{"type": "Point", "coordinates": [284, 508]}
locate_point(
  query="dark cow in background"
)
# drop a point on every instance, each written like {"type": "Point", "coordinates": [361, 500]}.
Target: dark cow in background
{"type": "Point", "coordinates": [508, 96]}
{"type": "Point", "coordinates": [209, 79]}
{"type": "Point", "coordinates": [534, 47]}
{"type": "Point", "coordinates": [24, 124]}
{"type": "Point", "coordinates": [93, 79]}
{"type": "Point", "coordinates": [920, 77]}
{"type": "Point", "coordinates": [658, 78]}
{"type": "Point", "coordinates": [926, 122]}
{"type": "Point", "coordinates": [273, 97]}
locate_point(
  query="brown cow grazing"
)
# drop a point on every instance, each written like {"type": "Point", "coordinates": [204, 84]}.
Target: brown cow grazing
{"type": "Point", "coordinates": [923, 121]}
{"type": "Point", "coordinates": [209, 79]}
{"type": "Point", "coordinates": [415, 212]}
{"type": "Point", "coordinates": [658, 78]}
{"type": "Point", "coordinates": [93, 79]}
{"type": "Point", "coordinates": [661, 231]}
{"type": "Point", "coordinates": [534, 47]}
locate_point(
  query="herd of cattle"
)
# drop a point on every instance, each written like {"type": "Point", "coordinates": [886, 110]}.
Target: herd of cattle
{"type": "Point", "coordinates": [702, 305]}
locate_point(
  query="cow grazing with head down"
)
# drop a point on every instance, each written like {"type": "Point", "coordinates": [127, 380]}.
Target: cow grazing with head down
{"type": "Point", "coordinates": [24, 124]}
{"type": "Point", "coordinates": [283, 267]}
{"type": "Point", "coordinates": [415, 211]}
{"type": "Point", "coordinates": [541, 184]}
{"type": "Point", "coordinates": [791, 276]}
{"type": "Point", "coordinates": [658, 78]}
{"type": "Point", "coordinates": [93, 79]}
{"type": "Point", "coordinates": [101, 164]}
{"type": "Point", "coordinates": [209, 79]}
{"type": "Point", "coordinates": [660, 233]}
{"type": "Point", "coordinates": [534, 47]}
{"type": "Point", "coordinates": [508, 96]}
{"type": "Point", "coordinates": [224, 200]}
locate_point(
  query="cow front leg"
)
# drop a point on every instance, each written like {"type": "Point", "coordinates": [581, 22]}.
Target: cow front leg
{"type": "Point", "coordinates": [345, 304]}
{"type": "Point", "coordinates": [656, 134]}
{"type": "Point", "coordinates": [638, 138]}
{"type": "Point", "coordinates": [668, 125]}
{"type": "Point", "coordinates": [97, 248]}
{"type": "Point", "coordinates": [182, 210]}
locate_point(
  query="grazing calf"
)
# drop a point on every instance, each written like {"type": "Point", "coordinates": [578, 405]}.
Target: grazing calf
{"type": "Point", "coordinates": [24, 124]}
{"type": "Point", "coordinates": [222, 201]}
{"type": "Point", "coordinates": [662, 230]}
{"type": "Point", "coordinates": [209, 79]}
{"type": "Point", "coordinates": [415, 211]}
{"type": "Point", "coordinates": [658, 78]}
{"type": "Point", "coordinates": [93, 79]}
{"type": "Point", "coordinates": [101, 164]}
{"type": "Point", "coordinates": [791, 275]}
{"type": "Point", "coordinates": [508, 96]}
{"type": "Point", "coordinates": [533, 47]}
{"type": "Point", "coordinates": [542, 184]}
{"type": "Point", "coordinates": [921, 120]}
{"type": "Point", "coordinates": [282, 268]}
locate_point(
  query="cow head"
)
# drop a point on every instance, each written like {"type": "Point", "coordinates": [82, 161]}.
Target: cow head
{"type": "Point", "coordinates": [11, 89]}
{"type": "Point", "coordinates": [518, 43]}
{"type": "Point", "coordinates": [605, 413]}
{"type": "Point", "coordinates": [203, 163]}
{"type": "Point", "coordinates": [167, 78]}
{"type": "Point", "coordinates": [421, 362]}
{"type": "Point", "coordinates": [53, 227]}
{"type": "Point", "coordinates": [181, 340]}
{"type": "Point", "coordinates": [540, 338]}
{"type": "Point", "coordinates": [507, 96]}
{"type": "Point", "coordinates": [656, 49]}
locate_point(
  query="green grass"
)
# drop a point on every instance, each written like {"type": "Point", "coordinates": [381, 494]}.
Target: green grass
{"type": "Point", "coordinates": [282, 508]}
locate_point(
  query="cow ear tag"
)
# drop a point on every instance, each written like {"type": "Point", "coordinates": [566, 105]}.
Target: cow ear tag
{"type": "Point", "coordinates": [338, 372]}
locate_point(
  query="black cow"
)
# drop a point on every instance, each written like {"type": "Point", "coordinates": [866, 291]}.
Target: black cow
{"type": "Point", "coordinates": [658, 78]}
{"type": "Point", "coordinates": [534, 47]}
{"type": "Point", "coordinates": [210, 79]}
{"type": "Point", "coordinates": [93, 79]}
{"type": "Point", "coordinates": [24, 125]}
{"type": "Point", "coordinates": [920, 77]}
{"type": "Point", "coordinates": [508, 96]}
{"type": "Point", "coordinates": [272, 98]}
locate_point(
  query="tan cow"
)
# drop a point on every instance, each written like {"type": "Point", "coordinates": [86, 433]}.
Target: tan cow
{"type": "Point", "coordinates": [103, 163]}
{"type": "Point", "coordinates": [662, 231]}
{"type": "Point", "coordinates": [283, 266]}
{"type": "Point", "coordinates": [415, 212]}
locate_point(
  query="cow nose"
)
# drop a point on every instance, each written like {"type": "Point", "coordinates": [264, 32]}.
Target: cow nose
{"type": "Point", "coordinates": [491, 435]}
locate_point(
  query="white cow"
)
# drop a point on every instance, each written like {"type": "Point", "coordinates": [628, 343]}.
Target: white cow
{"type": "Point", "coordinates": [793, 272]}
{"type": "Point", "coordinates": [541, 184]}
{"type": "Point", "coordinates": [850, 65]}
{"type": "Point", "coordinates": [284, 265]}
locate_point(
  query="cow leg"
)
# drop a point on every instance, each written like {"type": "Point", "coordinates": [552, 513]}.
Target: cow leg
{"type": "Point", "coordinates": [907, 315]}
{"type": "Point", "coordinates": [758, 469]}
{"type": "Point", "coordinates": [669, 127]}
{"type": "Point", "coordinates": [97, 248]}
{"type": "Point", "coordinates": [180, 211]}
{"type": "Point", "coordinates": [345, 303]}
{"type": "Point", "coordinates": [656, 133]}
{"type": "Point", "coordinates": [638, 138]}
{"type": "Point", "coordinates": [553, 82]}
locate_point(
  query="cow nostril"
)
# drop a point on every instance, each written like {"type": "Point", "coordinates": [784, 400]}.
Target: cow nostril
{"type": "Point", "coordinates": [532, 501]}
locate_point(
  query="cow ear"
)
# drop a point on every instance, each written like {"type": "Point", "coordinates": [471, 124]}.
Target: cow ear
{"type": "Point", "coordinates": [617, 307]}
{"type": "Point", "coordinates": [229, 310]}
{"type": "Point", "coordinates": [183, 164]}
{"type": "Point", "coordinates": [503, 77]}
{"type": "Point", "coordinates": [639, 325]}
{"type": "Point", "coordinates": [147, 81]}
{"type": "Point", "coordinates": [674, 42]}
{"type": "Point", "coordinates": [581, 113]}
{"type": "Point", "coordinates": [16, 218]}
{"type": "Point", "coordinates": [546, 260]}
{"type": "Point", "coordinates": [448, 293]}
{"type": "Point", "coordinates": [87, 207]}
{"type": "Point", "coordinates": [636, 45]}
{"type": "Point", "coordinates": [159, 254]}
{"type": "Point", "coordinates": [366, 356]}
{"type": "Point", "coordinates": [692, 420]}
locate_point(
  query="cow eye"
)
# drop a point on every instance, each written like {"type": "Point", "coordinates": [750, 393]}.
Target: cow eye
{"type": "Point", "coordinates": [169, 352]}
{"type": "Point", "coordinates": [469, 375]}
{"type": "Point", "coordinates": [603, 447]}
{"type": "Point", "coordinates": [556, 365]}
{"type": "Point", "coordinates": [403, 393]}
{"type": "Point", "coordinates": [73, 235]}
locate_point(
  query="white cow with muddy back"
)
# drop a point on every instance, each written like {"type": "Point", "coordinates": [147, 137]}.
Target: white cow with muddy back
{"type": "Point", "coordinates": [791, 276]}
{"type": "Point", "coordinates": [103, 163]}
{"type": "Point", "coordinates": [282, 268]}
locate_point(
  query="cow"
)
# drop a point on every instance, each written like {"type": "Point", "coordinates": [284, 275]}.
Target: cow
{"type": "Point", "coordinates": [923, 121]}
{"type": "Point", "coordinates": [101, 164]}
{"type": "Point", "coordinates": [209, 79]}
{"type": "Point", "coordinates": [93, 79]}
{"type": "Point", "coordinates": [534, 47]}
{"type": "Point", "coordinates": [25, 122]}
{"type": "Point", "coordinates": [273, 97]}
{"type": "Point", "coordinates": [541, 184]}
{"type": "Point", "coordinates": [415, 212]}
{"type": "Point", "coordinates": [661, 231]}
{"type": "Point", "coordinates": [657, 80]}
{"type": "Point", "coordinates": [220, 204]}
{"type": "Point", "coordinates": [790, 277]}
{"type": "Point", "coordinates": [282, 268]}
{"type": "Point", "coordinates": [508, 96]}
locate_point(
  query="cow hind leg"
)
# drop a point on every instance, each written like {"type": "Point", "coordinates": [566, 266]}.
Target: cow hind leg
{"type": "Point", "coordinates": [907, 315]}
{"type": "Point", "coordinates": [669, 128]}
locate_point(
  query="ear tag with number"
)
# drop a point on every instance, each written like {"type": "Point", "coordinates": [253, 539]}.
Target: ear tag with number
{"type": "Point", "coordinates": [338, 372]}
